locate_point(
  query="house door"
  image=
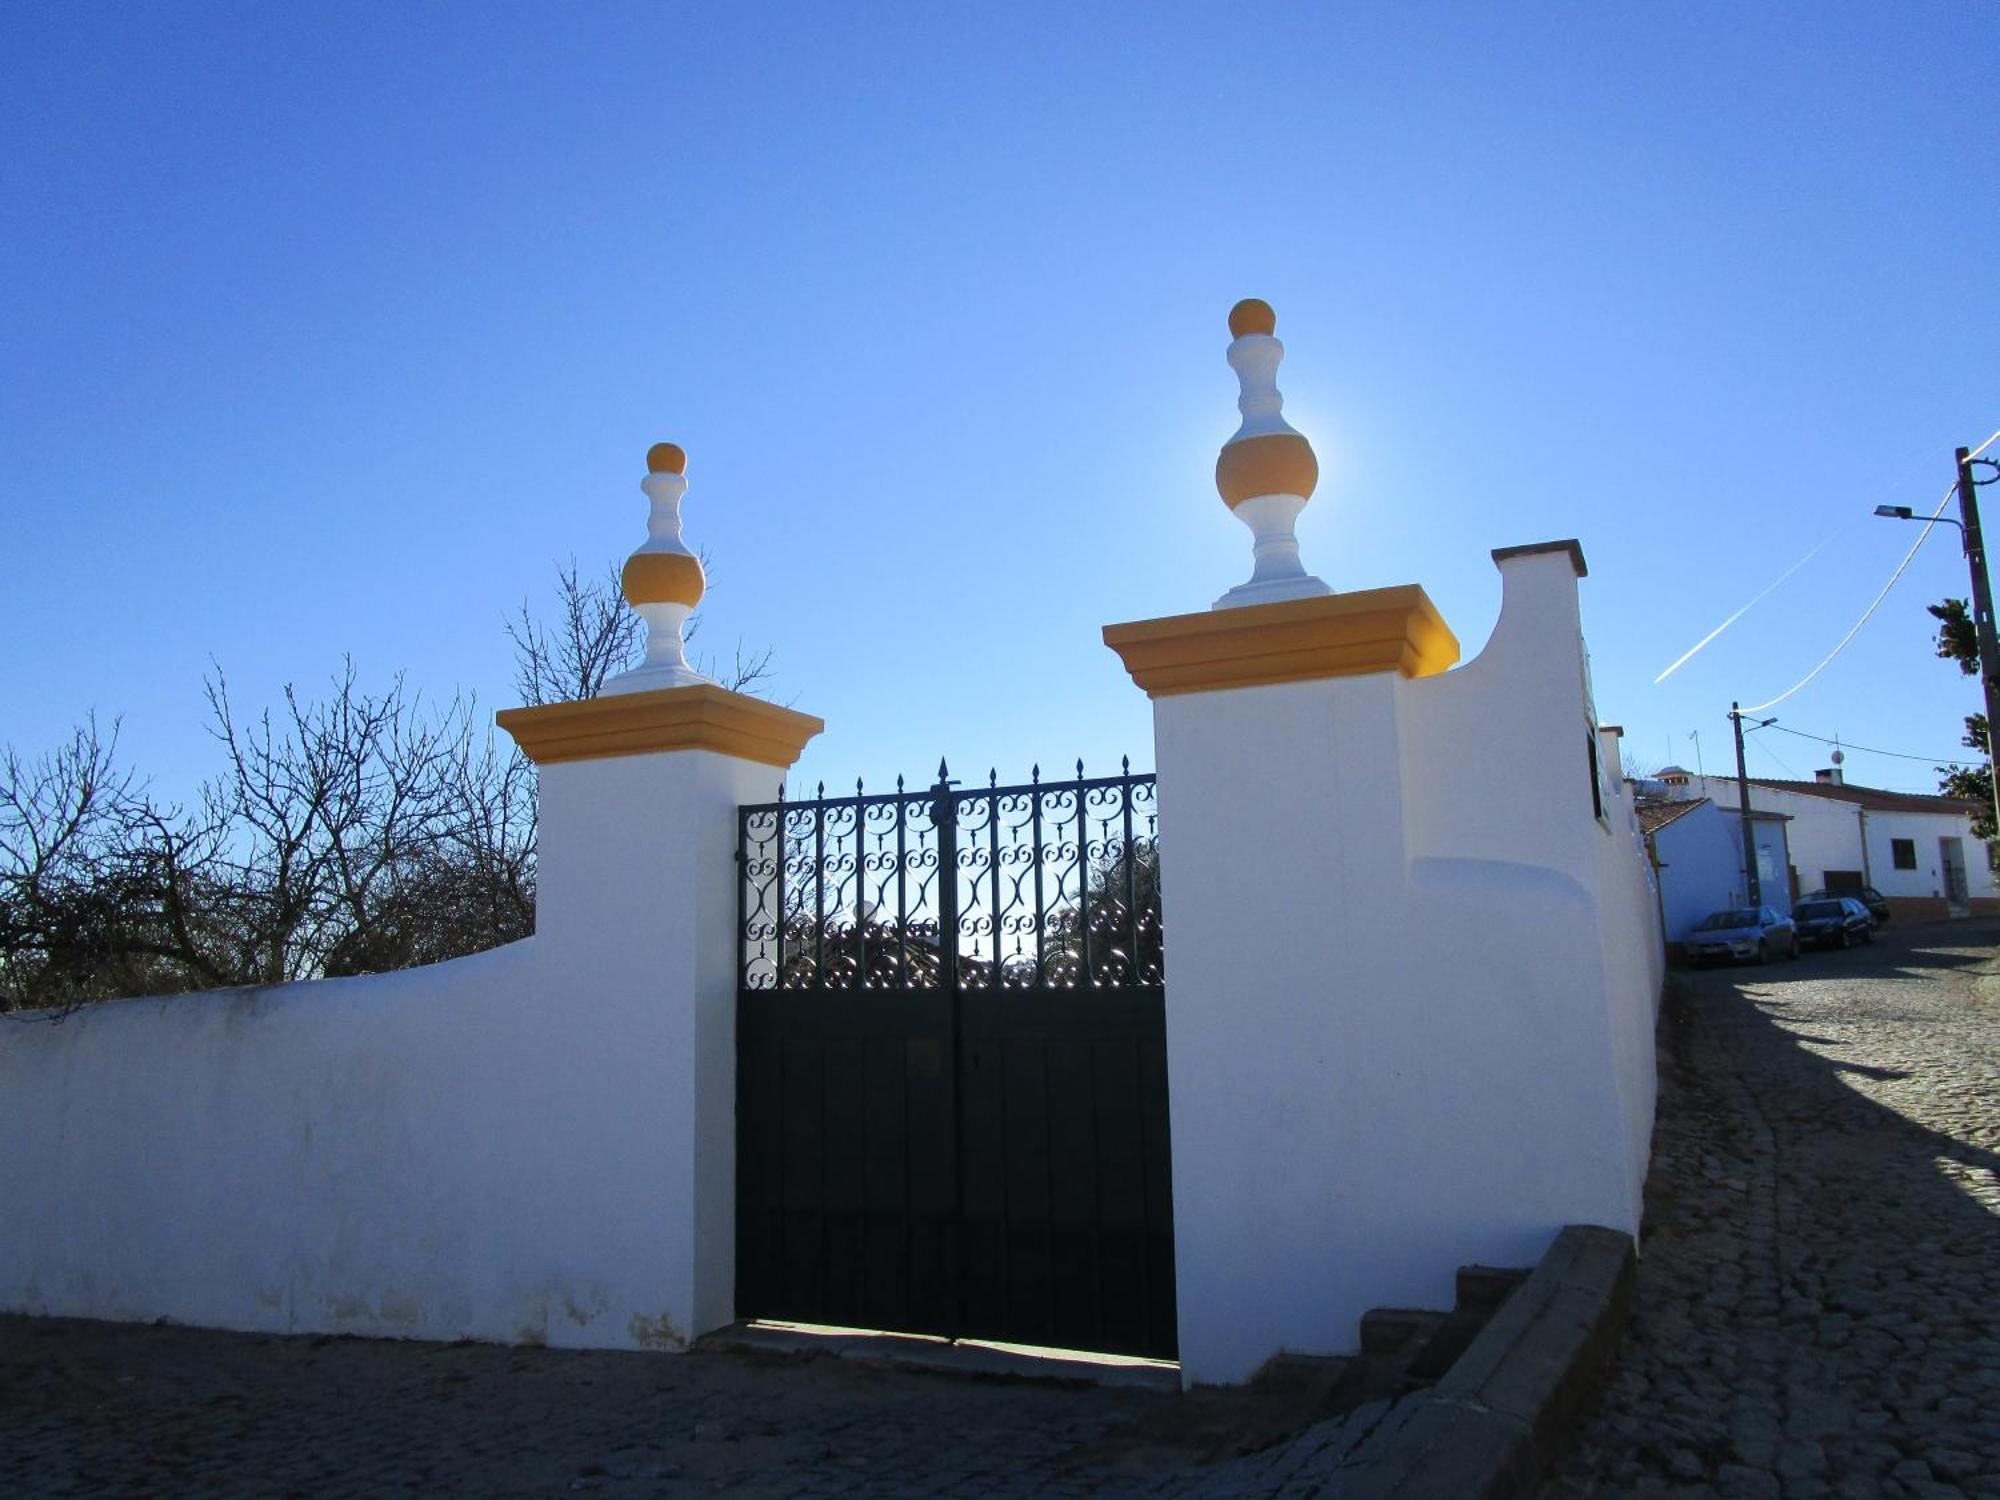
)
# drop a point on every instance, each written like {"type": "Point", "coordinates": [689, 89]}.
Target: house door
{"type": "Point", "coordinates": [1951, 859]}
{"type": "Point", "coordinates": [951, 1065]}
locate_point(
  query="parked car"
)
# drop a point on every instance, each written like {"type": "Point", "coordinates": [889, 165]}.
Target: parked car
{"type": "Point", "coordinates": [1753, 932]}
{"type": "Point", "coordinates": [1876, 904]}
{"type": "Point", "coordinates": [1833, 922]}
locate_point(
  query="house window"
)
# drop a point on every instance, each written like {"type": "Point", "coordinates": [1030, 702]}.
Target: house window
{"type": "Point", "coordinates": [1903, 853]}
{"type": "Point", "coordinates": [1596, 772]}
{"type": "Point", "coordinates": [1842, 882]}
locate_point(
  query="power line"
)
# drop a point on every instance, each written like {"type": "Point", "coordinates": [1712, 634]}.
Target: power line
{"type": "Point", "coordinates": [1682, 660]}
{"type": "Point", "coordinates": [1866, 749]}
{"type": "Point", "coordinates": [1767, 750]}
{"type": "Point", "coordinates": [1869, 613]}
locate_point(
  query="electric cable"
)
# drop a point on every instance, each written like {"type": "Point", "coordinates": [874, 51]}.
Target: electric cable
{"type": "Point", "coordinates": [1909, 557]}
{"type": "Point", "coordinates": [1840, 744]}
{"type": "Point", "coordinates": [1682, 659]}
{"type": "Point", "coordinates": [1790, 774]}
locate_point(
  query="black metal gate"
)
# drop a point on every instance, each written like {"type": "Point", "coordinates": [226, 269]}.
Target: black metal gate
{"type": "Point", "coordinates": [951, 1065]}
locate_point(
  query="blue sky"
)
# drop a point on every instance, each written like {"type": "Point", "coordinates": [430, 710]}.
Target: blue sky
{"type": "Point", "coordinates": [333, 329]}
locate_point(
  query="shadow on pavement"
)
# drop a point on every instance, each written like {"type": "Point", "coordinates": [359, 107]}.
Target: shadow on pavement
{"type": "Point", "coordinates": [1813, 1086]}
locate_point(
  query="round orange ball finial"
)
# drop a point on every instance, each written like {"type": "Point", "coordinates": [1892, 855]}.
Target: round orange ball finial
{"type": "Point", "coordinates": [666, 458]}
{"type": "Point", "coordinates": [1252, 315]}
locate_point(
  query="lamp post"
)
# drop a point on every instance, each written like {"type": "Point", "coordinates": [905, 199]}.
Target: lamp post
{"type": "Point", "coordinates": [1982, 596]}
{"type": "Point", "coordinates": [1753, 884]}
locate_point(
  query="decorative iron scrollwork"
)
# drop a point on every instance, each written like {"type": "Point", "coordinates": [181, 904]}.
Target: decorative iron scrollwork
{"type": "Point", "coordinates": [1047, 886]}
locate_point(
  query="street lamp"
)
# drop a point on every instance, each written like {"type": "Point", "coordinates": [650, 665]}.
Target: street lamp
{"type": "Point", "coordinates": [1982, 596]}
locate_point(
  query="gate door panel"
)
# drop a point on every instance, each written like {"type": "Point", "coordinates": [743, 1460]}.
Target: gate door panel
{"type": "Point", "coordinates": [952, 1107]}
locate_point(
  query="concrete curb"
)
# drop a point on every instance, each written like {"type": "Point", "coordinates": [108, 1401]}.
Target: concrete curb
{"type": "Point", "coordinates": [1492, 1425]}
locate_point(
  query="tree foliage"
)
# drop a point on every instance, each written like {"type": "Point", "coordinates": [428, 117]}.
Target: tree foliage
{"type": "Point", "coordinates": [1958, 641]}
{"type": "Point", "coordinates": [1957, 638]}
{"type": "Point", "coordinates": [350, 833]}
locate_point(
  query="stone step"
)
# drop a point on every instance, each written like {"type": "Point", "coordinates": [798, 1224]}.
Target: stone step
{"type": "Point", "coordinates": [1441, 1350]}
{"type": "Point", "coordinates": [1487, 1286]}
{"type": "Point", "coordinates": [1395, 1330]}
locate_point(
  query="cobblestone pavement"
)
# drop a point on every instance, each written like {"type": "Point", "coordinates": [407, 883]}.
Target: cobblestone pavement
{"type": "Point", "coordinates": [1818, 1311]}
{"type": "Point", "coordinates": [121, 1410]}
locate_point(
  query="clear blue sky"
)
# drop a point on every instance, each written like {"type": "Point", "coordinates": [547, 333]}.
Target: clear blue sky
{"type": "Point", "coordinates": [332, 329]}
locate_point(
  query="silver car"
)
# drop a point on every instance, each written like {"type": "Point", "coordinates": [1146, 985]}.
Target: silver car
{"type": "Point", "coordinates": [1742, 932]}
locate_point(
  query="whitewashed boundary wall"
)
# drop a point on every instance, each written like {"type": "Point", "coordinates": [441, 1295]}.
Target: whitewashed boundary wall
{"type": "Point", "coordinates": [532, 1145]}
{"type": "Point", "coordinates": [529, 1145]}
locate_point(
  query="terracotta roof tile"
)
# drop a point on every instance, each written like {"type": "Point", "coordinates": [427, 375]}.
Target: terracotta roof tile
{"type": "Point", "coordinates": [1871, 798]}
{"type": "Point", "coordinates": [1655, 815]}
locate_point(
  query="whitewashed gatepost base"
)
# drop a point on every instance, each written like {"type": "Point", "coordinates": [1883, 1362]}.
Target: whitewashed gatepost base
{"type": "Point", "coordinates": [637, 900]}
{"type": "Point", "coordinates": [1410, 971]}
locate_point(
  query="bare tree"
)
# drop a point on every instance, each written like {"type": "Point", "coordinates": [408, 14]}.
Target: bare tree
{"type": "Point", "coordinates": [594, 635]}
{"type": "Point", "coordinates": [349, 834]}
{"type": "Point", "coordinates": [68, 824]}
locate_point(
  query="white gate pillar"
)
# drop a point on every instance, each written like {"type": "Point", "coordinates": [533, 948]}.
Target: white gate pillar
{"type": "Point", "coordinates": [1276, 732]}
{"type": "Point", "coordinates": [1409, 972]}
{"type": "Point", "coordinates": [636, 932]}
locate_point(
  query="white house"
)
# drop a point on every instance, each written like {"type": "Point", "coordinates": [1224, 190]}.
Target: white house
{"type": "Point", "coordinates": [1917, 850]}
{"type": "Point", "coordinates": [1696, 846]}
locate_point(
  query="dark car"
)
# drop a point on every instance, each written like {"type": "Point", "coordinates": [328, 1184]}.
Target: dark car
{"type": "Point", "coordinates": [1752, 932]}
{"type": "Point", "coordinates": [1833, 922]}
{"type": "Point", "coordinates": [1872, 900]}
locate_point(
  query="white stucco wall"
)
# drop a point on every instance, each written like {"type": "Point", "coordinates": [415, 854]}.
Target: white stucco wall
{"type": "Point", "coordinates": [1827, 834]}
{"type": "Point", "coordinates": [1431, 1043]}
{"type": "Point", "coordinates": [533, 1144]}
{"type": "Point", "coordinates": [1924, 830]}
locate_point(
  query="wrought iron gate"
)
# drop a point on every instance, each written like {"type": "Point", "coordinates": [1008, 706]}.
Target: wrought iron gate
{"type": "Point", "coordinates": [951, 1064]}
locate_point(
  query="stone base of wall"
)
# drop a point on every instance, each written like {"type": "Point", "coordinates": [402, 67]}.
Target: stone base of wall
{"type": "Point", "coordinates": [1914, 909]}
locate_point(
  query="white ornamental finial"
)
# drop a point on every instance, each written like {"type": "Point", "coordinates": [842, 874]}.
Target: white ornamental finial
{"type": "Point", "coordinates": [663, 581]}
{"type": "Point", "coordinates": [1267, 471]}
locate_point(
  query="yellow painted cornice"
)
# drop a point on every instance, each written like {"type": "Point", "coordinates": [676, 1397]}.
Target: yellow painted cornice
{"type": "Point", "coordinates": [701, 717]}
{"type": "Point", "coordinates": [1334, 635]}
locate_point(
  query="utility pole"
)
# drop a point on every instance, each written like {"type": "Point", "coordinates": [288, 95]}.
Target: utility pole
{"type": "Point", "coordinates": [1982, 598]}
{"type": "Point", "coordinates": [1982, 614]}
{"type": "Point", "coordinates": [1752, 885]}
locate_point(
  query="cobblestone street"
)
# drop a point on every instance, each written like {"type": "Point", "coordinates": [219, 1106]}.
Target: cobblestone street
{"type": "Point", "coordinates": [1818, 1310]}
{"type": "Point", "coordinates": [95, 1409]}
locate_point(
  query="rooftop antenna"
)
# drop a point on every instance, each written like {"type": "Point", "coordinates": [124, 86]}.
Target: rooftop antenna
{"type": "Point", "coordinates": [1695, 735]}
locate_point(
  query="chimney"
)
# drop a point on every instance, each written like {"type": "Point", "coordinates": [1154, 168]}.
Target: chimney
{"type": "Point", "coordinates": [1830, 776]}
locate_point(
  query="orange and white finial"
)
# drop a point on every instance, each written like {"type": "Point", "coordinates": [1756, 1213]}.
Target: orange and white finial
{"type": "Point", "coordinates": [1267, 472]}
{"type": "Point", "coordinates": [663, 581]}
{"type": "Point", "coordinates": [1252, 315]}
